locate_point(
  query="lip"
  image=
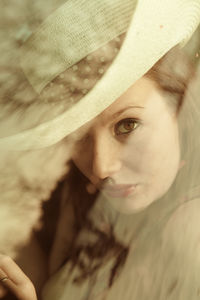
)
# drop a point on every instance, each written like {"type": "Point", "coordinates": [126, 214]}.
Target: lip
{"type": "Point", "coordinates": [119, 190]}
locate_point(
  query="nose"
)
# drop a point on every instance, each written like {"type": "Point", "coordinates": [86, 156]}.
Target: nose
{"type": "Point", "coordinates": [106, 157]}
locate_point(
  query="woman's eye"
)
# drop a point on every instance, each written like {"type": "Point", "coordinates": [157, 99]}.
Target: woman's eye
{"type": "Point", "coordinates": [126, 126]}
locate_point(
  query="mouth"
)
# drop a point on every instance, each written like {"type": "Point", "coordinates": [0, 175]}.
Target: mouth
{"type": "Point", "coordinates": [119, 190]}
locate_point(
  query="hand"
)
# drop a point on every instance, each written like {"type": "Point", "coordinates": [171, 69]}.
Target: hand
{"type": "Point", "coordinates": [13, 279]}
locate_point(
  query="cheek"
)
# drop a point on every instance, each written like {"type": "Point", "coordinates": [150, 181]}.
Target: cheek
{"type": "Point", "coordinates": [154, 155]}
{"type": "Point", "coordinates": [162, 161]}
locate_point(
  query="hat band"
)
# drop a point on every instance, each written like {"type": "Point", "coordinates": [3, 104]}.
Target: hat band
{"type": "Point", "coordinates": [61, 42]}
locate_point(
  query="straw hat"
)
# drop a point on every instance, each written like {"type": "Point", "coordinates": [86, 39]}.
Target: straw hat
{"type": "Point", "coordinates": [65, 40]}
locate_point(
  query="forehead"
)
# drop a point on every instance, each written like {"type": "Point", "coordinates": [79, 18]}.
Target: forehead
{"type": "Point", "coordinates": [137, 96]}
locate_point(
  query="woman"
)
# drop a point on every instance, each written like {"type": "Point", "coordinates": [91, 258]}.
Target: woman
{"type": "Point", "coordinates": [101, 242]}
{"type": "Point", "coordinates": [104, 240]}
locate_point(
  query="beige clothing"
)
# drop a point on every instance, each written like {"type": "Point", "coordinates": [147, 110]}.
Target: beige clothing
{"type": "Point", "coordinates": [163, 260]}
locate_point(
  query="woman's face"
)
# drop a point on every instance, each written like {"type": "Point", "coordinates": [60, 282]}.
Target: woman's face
{"type": "Point", "coordinates": [135, 144]}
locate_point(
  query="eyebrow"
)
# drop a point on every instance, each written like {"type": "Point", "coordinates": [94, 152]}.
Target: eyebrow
{"type": "Point", "coordinates": [84, 131]}
{"type": "Point", "coordinates": [124, 109]}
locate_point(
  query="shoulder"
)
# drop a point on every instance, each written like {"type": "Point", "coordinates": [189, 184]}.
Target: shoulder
{"type": "Point", "coordinates": [183, 229]}
{"type": "Point", "coordinates": [186, 216]}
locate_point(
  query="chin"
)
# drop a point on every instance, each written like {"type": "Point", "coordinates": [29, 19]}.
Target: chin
{"type": "Point", "coordinates": [129, 205]}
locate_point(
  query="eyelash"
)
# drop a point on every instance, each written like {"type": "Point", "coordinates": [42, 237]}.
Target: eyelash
{"type": "Point", "coordinates": [134, 121]}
